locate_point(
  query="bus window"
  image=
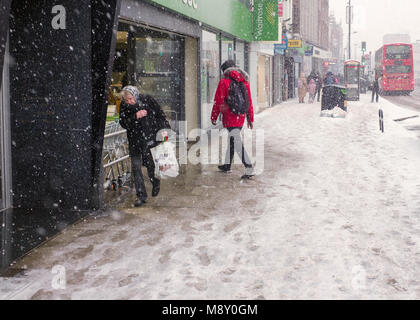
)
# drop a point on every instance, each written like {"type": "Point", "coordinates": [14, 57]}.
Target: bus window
{"type": "Point", "coordinates": [398, 69]}
{"type": "Point", "coordinates": [398, 52]}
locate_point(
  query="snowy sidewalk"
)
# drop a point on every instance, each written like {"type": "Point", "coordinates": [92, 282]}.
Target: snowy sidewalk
{"type": "Point", "coordinates": [335, 215]}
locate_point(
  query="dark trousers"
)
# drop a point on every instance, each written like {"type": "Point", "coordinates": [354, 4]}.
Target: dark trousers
{"type": "Point", "coordinates": [235, 144]}
{"type": "Point", "coordinates": [375, 91]}
{"type": "Point", "coordinates": [136, 164]}
{"type": "Point", "coordinates": [318, 92]}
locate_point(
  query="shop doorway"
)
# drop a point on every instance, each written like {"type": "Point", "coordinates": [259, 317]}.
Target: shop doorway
{"type": "Point", "coordinates": [278, 78]}
{"type": "Point", "coordinates": [289, 79]}
{"type": "Point", "coordinates": [264, 82]}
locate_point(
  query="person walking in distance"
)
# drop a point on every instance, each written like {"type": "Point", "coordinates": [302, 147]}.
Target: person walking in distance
{"type": "Point", "coordinates": [318, 81]}
{"type": "Point", "coordinates": [375, 88]}
{"type": "Point", "coordinates": [146, 124]}
{"type": "Point", "coordinates": [302, 88]}
{"type": "Point", "coordinates": [312, 90]}
{"type": "Point", "coordinates": [233, 100]}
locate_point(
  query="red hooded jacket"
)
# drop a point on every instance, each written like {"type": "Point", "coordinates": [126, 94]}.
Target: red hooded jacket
{"type": "Point", "coordinates": [230, 119]}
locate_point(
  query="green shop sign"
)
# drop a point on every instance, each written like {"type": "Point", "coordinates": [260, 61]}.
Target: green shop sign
{"type": "Point", "coordinates": [266, 20]}
{"type": "Point", "coordinates": [230, 16]}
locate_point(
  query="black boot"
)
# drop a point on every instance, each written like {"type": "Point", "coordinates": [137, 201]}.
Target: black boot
{"type": "Point", "coordinates": [249, 173]}
{"type": "Point", "coordinates": [139, 202]}
{"type": "Point", "coordinates": [225, 168]}
{"type": "Point", "coordinates": [156, 187]}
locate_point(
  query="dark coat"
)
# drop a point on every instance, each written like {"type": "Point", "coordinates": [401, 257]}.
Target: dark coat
{"type": "Point", "coordinates": [141, 133]}
{"type": "Point", "coordinates": [314, 76]}
{"type": "Point", "coordinates": [330, 79]}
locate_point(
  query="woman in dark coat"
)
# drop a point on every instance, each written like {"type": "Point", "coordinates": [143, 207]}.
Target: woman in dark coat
{"type": "Point", "coordinates": [143, 119]}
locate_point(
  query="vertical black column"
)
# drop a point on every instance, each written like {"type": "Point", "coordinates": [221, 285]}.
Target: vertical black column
{"type": "Point", "coordinates": [51, 104]}
{"type": "Point", "coordinates": [104, 38]}
{"type": "Point", "coordinates": [131, 57]}
{"type": "Point", "coordinates": [4, 29]}
{"type": "Point", "coordinates": [59, 89]}
{"type": "Point", "coordinates": [60, 78]}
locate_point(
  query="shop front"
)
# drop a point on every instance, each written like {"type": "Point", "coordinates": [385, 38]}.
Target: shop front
{"type": "Point", "coordinates": [261, 74]}
{"type": "Point", "coordinates": [157, 51]}
{"type": "Point", "coordinates": [216, 48]}
{"type": "Point", "coordinates": [56, 98]}
{"type": "Point", "coordinates": [319, 58]}
{"type": "Point", "coordinates": [264, 81]}
{"type": "Point", "coordinates": [278, 78]}
{"type": "Point", "coordinates": [175, 55]}
{"type": "Point", "coordinates": [153, 61]}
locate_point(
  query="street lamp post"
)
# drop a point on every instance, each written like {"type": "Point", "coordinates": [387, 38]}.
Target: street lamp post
{"type": "Point", "coordinates": [349, 17]}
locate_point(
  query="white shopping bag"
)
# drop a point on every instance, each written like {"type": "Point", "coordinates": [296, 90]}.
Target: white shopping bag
{"type": "Point", "coordinates": [338, 113]}
{"type": "Point", "coordinates": [164, 157]}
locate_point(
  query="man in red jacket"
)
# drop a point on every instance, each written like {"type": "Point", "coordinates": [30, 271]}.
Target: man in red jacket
{"type": "Point", "coordinates": [233, 121]}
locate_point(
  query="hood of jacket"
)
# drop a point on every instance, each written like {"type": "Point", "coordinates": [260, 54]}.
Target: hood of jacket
{"type": "Point", "coordinates": [133, 91]}
{"type": "Point", "coordinates": [237, 74]}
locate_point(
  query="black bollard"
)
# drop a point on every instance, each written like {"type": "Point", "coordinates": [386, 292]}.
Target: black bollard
{"type": "Point", "coordinates": [381, 120]}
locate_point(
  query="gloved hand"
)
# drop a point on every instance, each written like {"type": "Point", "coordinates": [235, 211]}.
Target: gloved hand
{"type": "Point", "coordinates": [250, 125]}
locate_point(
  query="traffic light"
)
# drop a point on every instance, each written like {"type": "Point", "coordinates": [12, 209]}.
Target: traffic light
{"type": "Point", "coordinates": [364, 46]}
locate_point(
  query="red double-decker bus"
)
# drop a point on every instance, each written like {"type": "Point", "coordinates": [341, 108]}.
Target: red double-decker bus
{"type": "Point", "coordinates": [394, 64]}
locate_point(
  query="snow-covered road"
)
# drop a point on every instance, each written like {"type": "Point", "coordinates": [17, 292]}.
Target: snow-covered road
{"type": "Point", "coordinates": [335, 215]}
{"type": "Point", "coordinates": [412, 106]}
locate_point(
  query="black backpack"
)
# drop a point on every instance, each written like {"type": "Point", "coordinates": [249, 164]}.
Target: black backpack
{"type": "Point", "coordinates": [237, 99]}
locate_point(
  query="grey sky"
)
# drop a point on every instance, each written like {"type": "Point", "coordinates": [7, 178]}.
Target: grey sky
{"type": "Point", "coordinates": [374, 18]}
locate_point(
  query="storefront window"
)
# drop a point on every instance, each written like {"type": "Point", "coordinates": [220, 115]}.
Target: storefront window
{"type": "Point", "coordinates": [160, 68]}
{"type": "Point", "coordinates": [119, 76]}
{"type": "Point", "coordinates": [227, 49]}
{"type": "Point", "coordinates": [209, 74]}
{"type": "Point", "coordinates": [152, 61]}
{"type": "Point", "coordinates": [240, 54]}
{"type": "Point", "coordinates": [246, 3]}
{"type": "Point", "coordinates": [264, 81]}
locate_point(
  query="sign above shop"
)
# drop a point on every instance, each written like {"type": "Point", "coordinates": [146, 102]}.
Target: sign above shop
{"type": "Point", "coordinates": [284, 41]}
{"type": "Point", "coordinates": [280, 8]}
{"type": "Point", "coordinates": [230, 16]}
{"type": "Point", "coordinates": [295, 43]}
{"type": "Point", "coordinates": [266, 20]}
{"type": "Point", "coordinates": [278, 48]}
{"type": "Point", "coordinates": [309, 50]}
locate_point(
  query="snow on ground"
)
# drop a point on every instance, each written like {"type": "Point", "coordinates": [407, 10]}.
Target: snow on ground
{"type": "Point", "coordinates": [334, 215]}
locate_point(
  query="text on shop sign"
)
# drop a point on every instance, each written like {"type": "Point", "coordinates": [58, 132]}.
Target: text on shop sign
{"type": "Point", "coordinates": [191, 3]}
